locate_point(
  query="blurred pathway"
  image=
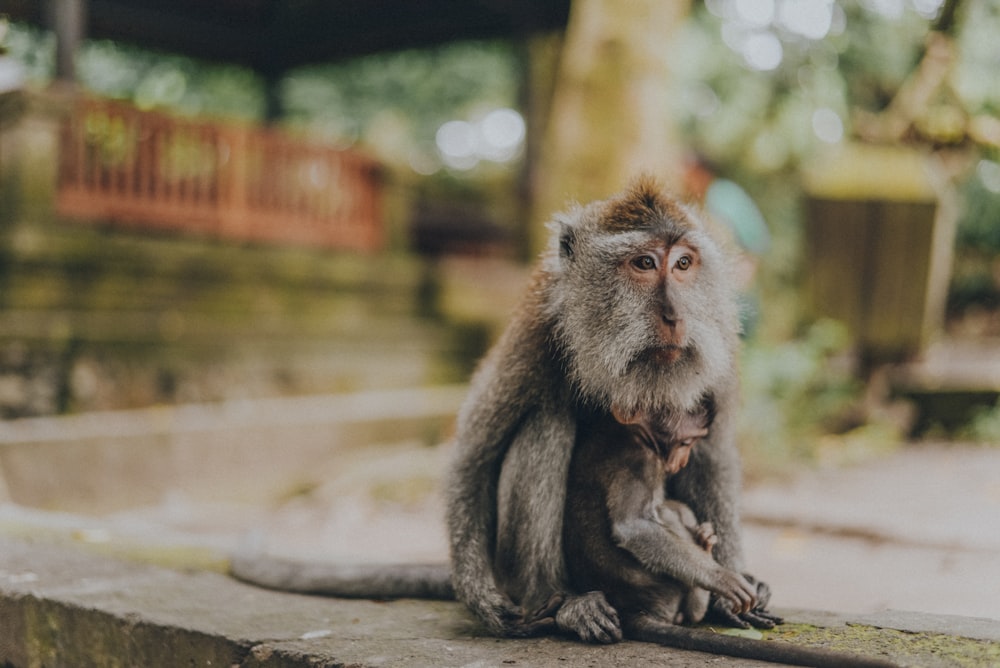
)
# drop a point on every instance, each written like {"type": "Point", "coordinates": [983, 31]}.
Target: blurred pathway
{"type": "Point", "coordinates": [916, 530]}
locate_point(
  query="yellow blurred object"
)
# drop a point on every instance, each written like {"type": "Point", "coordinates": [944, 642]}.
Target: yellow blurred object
{"type": "Point", "coordinates": [858, 171]}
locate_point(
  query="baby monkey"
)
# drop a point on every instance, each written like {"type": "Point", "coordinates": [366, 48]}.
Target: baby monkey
{"type": "Point", "coordinates": [623, 536]}
{"type": "Point", "coordinates": [676, 517]}
{"type": "Point", "coordinates": [648, 553]}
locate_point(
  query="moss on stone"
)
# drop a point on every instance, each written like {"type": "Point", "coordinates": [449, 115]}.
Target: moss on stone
{"type": "Point", "coordinates": [909, 648]}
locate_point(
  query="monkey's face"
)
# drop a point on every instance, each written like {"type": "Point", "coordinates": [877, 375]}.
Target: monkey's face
{"type": "Point", "coordinates": [680, 453]}
{"type": "Point", "coordinates": [646, 309]}
{"type": "Point", "coordinates": [671, 436]}
{"type": "Point", "coordinates": [663, 274]}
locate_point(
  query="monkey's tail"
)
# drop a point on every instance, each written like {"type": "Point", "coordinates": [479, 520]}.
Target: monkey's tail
{"type": "Point", "coordinates": [377, 581]}
{"type": "Point", "coordinates": [763, 650]}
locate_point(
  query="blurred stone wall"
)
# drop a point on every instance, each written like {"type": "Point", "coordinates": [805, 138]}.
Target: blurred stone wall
{"type": "Point", "coordinates": [93, 318]}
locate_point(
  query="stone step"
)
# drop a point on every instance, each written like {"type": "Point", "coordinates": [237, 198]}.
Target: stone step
{"type": "Point", "coordinates": [249, 450]}
{"type": "Point", "coordinates": [63, 607]}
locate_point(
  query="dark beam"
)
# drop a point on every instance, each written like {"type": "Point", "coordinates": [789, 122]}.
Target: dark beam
{"type": "Point", "coordinates": [272, 36]}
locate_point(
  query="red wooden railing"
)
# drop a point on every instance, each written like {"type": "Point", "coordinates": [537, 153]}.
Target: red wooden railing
{"type": "Point", "coordinates": [149, 170]}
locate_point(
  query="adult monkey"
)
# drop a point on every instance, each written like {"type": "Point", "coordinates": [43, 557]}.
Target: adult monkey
{"type": "Point", "coordinates": [631, 310]}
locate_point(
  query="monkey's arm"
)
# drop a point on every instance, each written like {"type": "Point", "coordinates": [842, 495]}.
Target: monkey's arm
{"type": "Point", "coordinates": [506, 495]}
{"type": "Point", "coordinates": [665, 552]}
{"type": "Point", "coordinates": [472, 516]}
{"type": "Point", "coordinates": [503, 395]}
{"type": "Point", "coordinates": [710, 486]}
{"type": "Point", "coordinates": [663, 545]}
{"type": "Point", "coordinates": [710, 483]}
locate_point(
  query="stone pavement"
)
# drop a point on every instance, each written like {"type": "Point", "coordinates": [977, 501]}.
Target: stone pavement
{"type": "Point", "coordinates": [60, 606]}
{"type": "Point", "coordinates": [915, 530]}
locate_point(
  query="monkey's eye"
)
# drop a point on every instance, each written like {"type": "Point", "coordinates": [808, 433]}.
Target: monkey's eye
{"type": "Point", "coordinates": [644, 263]}
{"type": "Point", "coordinates": [683, 262]}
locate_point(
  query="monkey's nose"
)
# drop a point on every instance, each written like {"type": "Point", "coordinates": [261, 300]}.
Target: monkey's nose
{"type": "Point", "coordinates": [672, 331]}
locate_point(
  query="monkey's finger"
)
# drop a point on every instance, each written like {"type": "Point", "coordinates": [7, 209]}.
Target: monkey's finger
{"type": "Point", "coordinates": [744, 600]}
{"type": "Point", "coordinates": [602, 630]}
{"type": "Point", "coordinates": [722, 612]}
{"type": "Point", "coordinates": [733, 619]}
{"type": "Point", "coordinates": [774, 618]}
{"type": "Point", "coordinates": [603, 625]}
{"type": "Point", "coordinates": [606, 627]}
{"type": "Point", "coordinates": [612, 624]}
{"type": "Point", "coordinates": [763, 594]}
{"type": "Point", "coordinates": [762, 619]}
{"type": "Point", "coordinates": [609, 615]}
{"type": "Point", "coordinates": [763, 590]}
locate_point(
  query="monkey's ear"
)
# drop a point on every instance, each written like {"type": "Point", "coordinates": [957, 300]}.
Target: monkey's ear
{"type": "Point", "coordinates": [567, 242]}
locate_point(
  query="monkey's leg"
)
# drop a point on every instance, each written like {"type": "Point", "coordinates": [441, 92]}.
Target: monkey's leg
{"type": "Point", "coordinates": [652, 630]}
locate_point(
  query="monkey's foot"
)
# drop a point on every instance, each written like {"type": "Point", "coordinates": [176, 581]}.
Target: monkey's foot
{"type": "Point", "coordinates": [591, 617]}
{"type": "Point", "coordinates": [539, 622]}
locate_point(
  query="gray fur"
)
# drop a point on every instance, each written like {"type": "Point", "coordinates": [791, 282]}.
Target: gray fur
{"type": "Point", "coordinates": [582, 341]}
{"type": "Point", "coordinates": [426, 581]}
{"type": "Point", "coordinates": [623, 535]}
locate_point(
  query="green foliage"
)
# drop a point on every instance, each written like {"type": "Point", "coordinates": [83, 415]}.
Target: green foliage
{"type": "Point", "coordinates": [979, 53]}
{"type": "Point", "coordinates": [974, 278]}
{"type": "Point", "coordinates": [393, 102]}
{"type": "Point", "coordinates": [149, 79]}
{"type": "Point", "coordinates": [978, 226]}
{"type": "Point", "coordinates": [761, 121]}
{"type": "Point", "coordinates": [795, 392]}
{"type": "Point", "coordinates": [984, 427]}
{"type": "Point", "coordinates": [877, 54]}
{"type": "Point", "coordinates": [183, 84]}
{"type": "Point", "coordinates": [34, 49]}
{"type": "Point", "coordinates": [758, 125]}
{"type": "Point", "coordinates": [397, 101]}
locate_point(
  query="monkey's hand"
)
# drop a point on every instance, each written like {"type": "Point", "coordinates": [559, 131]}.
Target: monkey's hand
{"type": "Point", "coordinates": [733, 594]}
{"type": "Point", "coordinates": [721, 610]}
{"type": "Point", "coordinates": [759, 616]}
{"type": "Point", "coordinates": [704, 535]}
{"type": "Point", "coordinates": [591, 617]}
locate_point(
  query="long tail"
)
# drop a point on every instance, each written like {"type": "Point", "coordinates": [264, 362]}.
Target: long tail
{"type": "Point", "coordinates": [378, 581]}
{"type": "Point", "coordinates": [763, 650]}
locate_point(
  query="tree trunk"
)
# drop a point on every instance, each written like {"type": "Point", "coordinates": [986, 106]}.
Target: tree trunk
{"type": "Point", "coordinates": [609, 118]}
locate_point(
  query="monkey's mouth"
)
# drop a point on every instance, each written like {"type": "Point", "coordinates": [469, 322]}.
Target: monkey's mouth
{"type": "Point", "coordinates": [668, 354]}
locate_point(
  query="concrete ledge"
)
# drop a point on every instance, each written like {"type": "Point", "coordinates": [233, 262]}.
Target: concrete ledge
{"type": "Point", "coordinates": [60, 606]}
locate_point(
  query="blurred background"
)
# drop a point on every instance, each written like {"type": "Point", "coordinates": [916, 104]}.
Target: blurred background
{"type": "Point", "coordinates": [250, 250]}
